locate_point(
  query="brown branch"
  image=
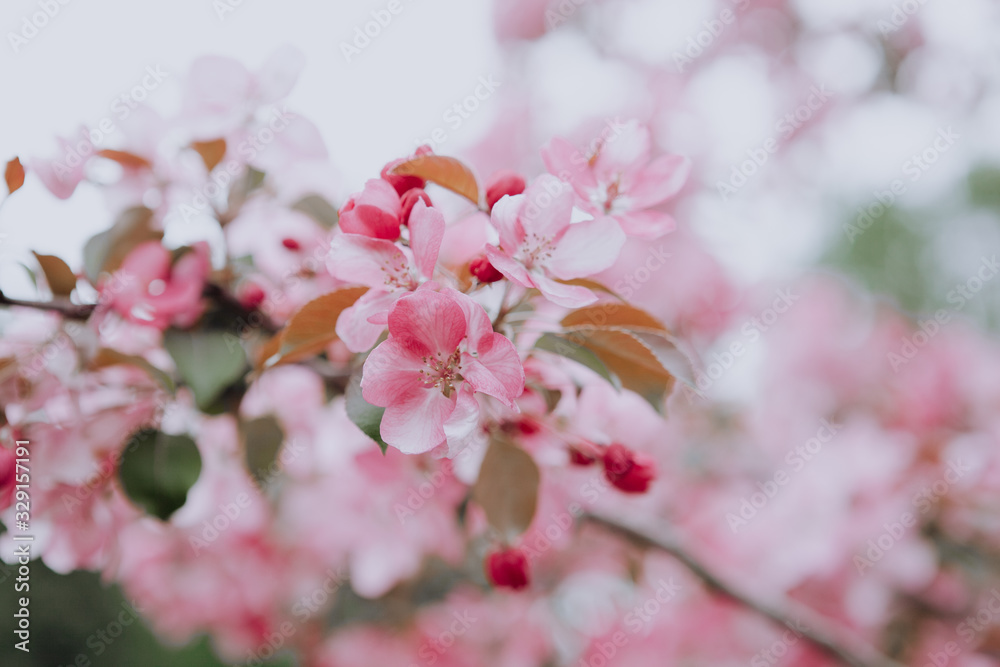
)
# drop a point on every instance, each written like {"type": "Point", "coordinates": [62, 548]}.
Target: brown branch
{"type": "Point", "coordinates": [849, 651]}
{"type": "Point", "coordinates": [64, 307]}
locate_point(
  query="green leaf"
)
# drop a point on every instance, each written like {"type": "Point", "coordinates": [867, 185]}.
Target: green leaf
{"type": "Point", "coordinates": [262, 441]}
{"type": "Point", "coordinates": [319, 209]}
{"type": "Point", "coordinates": [208, 362]}
{"type": "Point", "coordinates": [507, 488]}
{"type": "Point", "coordinates": [365, 416]}
{"type": "Point", "coordinates": [157, 470]}
{"type": "Point", "coordinates": [563, 346]}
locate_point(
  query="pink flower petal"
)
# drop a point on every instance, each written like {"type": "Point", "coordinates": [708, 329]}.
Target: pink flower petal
{"type": "Point", "coordinates": [278, 74]}
{"type": "Point", "coordinates": [414, 424]}
{"type": "Point", "coordinates": [623, 153]}
{"type": "Point", "coordinates": [360, 326]}
{"type": "Point", "coordinates": [568, 163]}
{"type": "Point", "coordinates": [505, 218]}
{"type": "Point", "coordinates": [646, 224]}
{"type": "Point", "coordinates": [586, 248]}
{"type": "Point", "coordinates": [568, 296]}
{"type": "Point", "coordinates": [547, 208]}
{"type": "Point", "coordinates": [427, 323]}
{"type": "Point", "coordinates": [390, 373]}
{"type": "Point", "coordinates": [426, 233]}
{"type": "Point", "coordinates": [377, 263]}
{"type": "Point", "coordinates": [496, 370]}
{"type": "Point", "coordinates": [658, 181]}
{"type": "Point", "coordinates": [511, 268]}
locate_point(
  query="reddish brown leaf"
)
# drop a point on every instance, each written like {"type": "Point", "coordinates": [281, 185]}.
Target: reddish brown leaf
{"type": "Point", "coordinates": [211, 152]}
{"type": "Point", "coordinates": [61, 279]}
{"type": "Point", "coordinates": [14, 175]}
{"type": "Point", "coordinates": [312, 328]}
{"type": "Point", "coordinates": [613, 315]}
{"type": "Point", "coordinates": [445, 171]}
{"type": "Point", "coordinates": [631, 360]}
{"type": "Point", "coordinates": [126, 159]}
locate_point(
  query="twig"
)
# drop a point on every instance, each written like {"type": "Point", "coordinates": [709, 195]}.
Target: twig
{"type": "Point", "coordinates": [67, 309]}
{"type": "Point", "coordinates": [850, 652]}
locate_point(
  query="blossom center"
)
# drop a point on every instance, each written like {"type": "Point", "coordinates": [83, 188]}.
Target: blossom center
{"type": "Point", "coordinates": [442, 372]}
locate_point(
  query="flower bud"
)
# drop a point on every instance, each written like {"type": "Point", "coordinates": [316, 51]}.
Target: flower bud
{"type": "Point", "coordinates": [402, 182]}
{"type": "Point", "coordinates": [629, 471]}
{"type": "Point", "coordinates": [508, 569]}
{"type": "Point", "coordinates": [251, 295]}
{"type": "Point", "coordinates": [502, 183]}
{"type": "Point", "coordinates": [409, 200]}
{"type": "Point", "coordinates": [484, 271]}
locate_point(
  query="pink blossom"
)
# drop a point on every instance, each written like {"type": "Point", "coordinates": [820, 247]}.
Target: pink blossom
{"type": "Point", "coordinates": [63, 173]}
{"type": "Point", "coordinates": [374, 212]}
{"type": "Point", "coordinates": [387, 268]}
{"type": "Point", "coordinates": [158, 294]}
{"type": "Point", "coordinates": [539, 247]}
{"type": "Point", "coordinates": [618, 178]}
{"type": "Point", "coordinates": [441, 351]}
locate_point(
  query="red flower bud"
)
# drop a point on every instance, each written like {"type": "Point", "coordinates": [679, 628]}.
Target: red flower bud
{"type": "Point", "coordinates": [629, 471]}
{"type": "Point", "coordinates": [251, 295]}
{"type": "Point", "coordinates": [484, 271]}
{"type": "Point", "coordinates": [503, 183]}
{"type": "Point", "coordinates": [508, 569]}
{"type": "Point", "coordinates": [401, 182]}
{"type": "Point", "coordinates": [409, 200]}
{"type": "Point", "coordinates": [291, 244]}
{"type": "Point", "coordinates": [578, 458]}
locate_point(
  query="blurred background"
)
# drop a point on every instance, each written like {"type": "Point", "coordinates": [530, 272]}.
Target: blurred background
{"type": "Point", "coordinates": [859, 138]}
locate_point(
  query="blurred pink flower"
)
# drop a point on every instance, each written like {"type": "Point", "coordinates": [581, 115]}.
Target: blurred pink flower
{"type": "Point", "coordinates": [158, 294]}
{"type": "Point", "coordinates": [539, 246]}
{"type": "Point", "coordinates": [618, 178]}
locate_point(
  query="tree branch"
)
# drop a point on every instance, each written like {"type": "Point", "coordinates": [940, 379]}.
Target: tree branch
{"type": "Point", "coordinates": [849, 651]}
{"type": "Point", "coordinates": [65, 308]}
